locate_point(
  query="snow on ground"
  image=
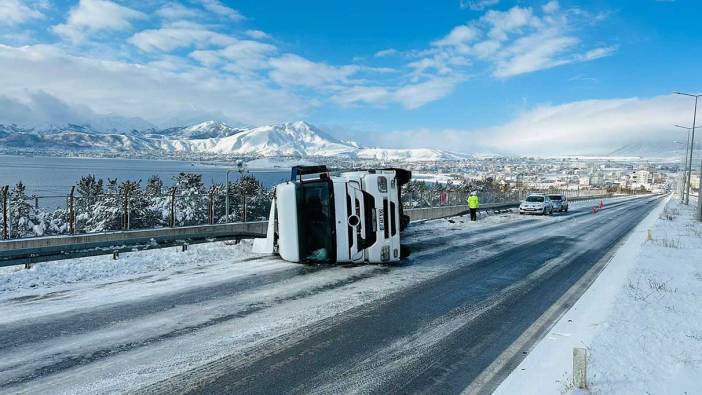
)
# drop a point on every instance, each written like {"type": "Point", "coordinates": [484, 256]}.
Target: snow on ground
{"type": "Point", "coordinates": [95, 269]}
{"type": "Point", "coordinates": [641, 321]}
{"type": "Point", "coordinates": [262, 313]}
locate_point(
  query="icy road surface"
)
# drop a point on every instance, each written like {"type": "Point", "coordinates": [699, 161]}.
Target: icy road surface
{"type": "Point", "coordinates": [217, 319]}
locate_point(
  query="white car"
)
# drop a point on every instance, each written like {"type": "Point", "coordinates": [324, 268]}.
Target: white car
{"type": "Point", "coordinates": [536, 204]}
{"type": "Point", "coordinates": [560, 202]}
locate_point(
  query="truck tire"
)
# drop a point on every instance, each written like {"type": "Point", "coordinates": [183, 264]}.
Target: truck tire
{"type": "Point", "coordinates": [404, 251]}
{"type": "Point", "coordinates": [404, 222]}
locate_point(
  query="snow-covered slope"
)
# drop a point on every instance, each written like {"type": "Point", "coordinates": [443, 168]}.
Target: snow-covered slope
{"type": "Point", "coordinates": [203, 130]}
{"type": "Point", "coordinates": [289, 139]}
{"type": "Point", "coordinates": [296, 139]}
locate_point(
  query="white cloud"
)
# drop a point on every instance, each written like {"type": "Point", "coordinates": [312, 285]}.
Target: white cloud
{"type": "Point", "coordinates": [257, 34]}
{"type": "Point", "coordinates": [179, 35]}
{"type": "Point", "coordinates": [409, 96]}
{"type": "Point", "coordinates": [598, 53]}
{"type": "Point", "coordinates": [477, 5]}
{"type": "Point", "coordinates": [532, 53]}
{"type": "Point", "coordinates": [551, 7]}
{"type": "Point", "coordinates": [386, 53]}
{"type": "Point", "coordinates": [459, 38]}
{"type": "Point", "coordinates": [218, 8]}
{"type": "Point", "coordinates": [504, 23]}
{"type": "Point", "coordinates": [242, 56]}
{"type": "Point", "coordinates": [174, 11]}
{"type": "Point", "coordinates": [592, 126]}
{"type": "Point", "coordinates": [376, 95]}
{"type": "Point", "coordinates": [595, 127]}
{"type": "Point", "coordinates": [92, 16]}
{"type": "Point", "coordinates": [149, 91]}
{"type": "Point", "coordinates": [14, 12]}
{"type": "Point", "coordinates": [294, 70]}
{"type": "Point", "coordinates": [513, 42]}
{"type": "Point", "coordinates": [417, 95]}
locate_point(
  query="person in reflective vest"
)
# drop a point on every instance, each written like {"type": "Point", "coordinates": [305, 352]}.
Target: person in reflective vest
{"type": "Point", "coordinates": [473, 206]}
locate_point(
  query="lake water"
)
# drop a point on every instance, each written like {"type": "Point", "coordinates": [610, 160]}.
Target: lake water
{"type": "Point", "coordinates": [52, 177]}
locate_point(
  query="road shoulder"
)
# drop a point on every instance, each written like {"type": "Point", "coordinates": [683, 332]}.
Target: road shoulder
{"type": "Point", "coordinates": [638, 315]}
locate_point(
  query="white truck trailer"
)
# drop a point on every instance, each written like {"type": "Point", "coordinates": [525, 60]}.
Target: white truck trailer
{"type": "Point", "coordinates": [350, 216]}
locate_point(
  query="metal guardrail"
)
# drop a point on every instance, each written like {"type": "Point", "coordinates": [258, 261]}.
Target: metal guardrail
{"type": "Point", "coordinates": [419, 214]}
{"type": "Point", "coordinates": [43, 249]}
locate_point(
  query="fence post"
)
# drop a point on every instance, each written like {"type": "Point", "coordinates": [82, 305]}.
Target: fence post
{"type": "Point", "coordinates": [72, 212]}
{"type": "Point", "coordinates": [173, 197]}
{"type": "Point", "coordinates": [244, 196]}
{"type": "Point", "coordinates": [5, 233]}
{"type": "Point", "coordinates": [125, 221]}
{"type": "Point", "coordinates": [210, 208]}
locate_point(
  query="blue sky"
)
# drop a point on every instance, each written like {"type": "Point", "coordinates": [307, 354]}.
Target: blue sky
{"type": "Point", "coordinates": [481, 75]}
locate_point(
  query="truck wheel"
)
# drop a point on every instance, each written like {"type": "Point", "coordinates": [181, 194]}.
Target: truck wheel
{"type": "Point", "coordinates": [404, 222]}
{"type": "Point", "coordinates": [404, 251]}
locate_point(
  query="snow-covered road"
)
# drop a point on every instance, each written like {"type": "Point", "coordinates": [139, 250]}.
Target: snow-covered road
{"type": "Point", "coordinates": [219, 319]}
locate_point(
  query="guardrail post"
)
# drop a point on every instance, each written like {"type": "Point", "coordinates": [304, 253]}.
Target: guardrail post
{"type": "Point", "coordinates": [71, 212]}
{"type": "Point", "coordinates": [5, 232]}
{"type": "Point", "coordinates": [173, 197]}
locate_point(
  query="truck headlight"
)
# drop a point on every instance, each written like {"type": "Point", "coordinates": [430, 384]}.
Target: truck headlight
{"type": "Point", "coordinates": [382, 184]}
{"type": "Point", "coordinates": [385, 253]}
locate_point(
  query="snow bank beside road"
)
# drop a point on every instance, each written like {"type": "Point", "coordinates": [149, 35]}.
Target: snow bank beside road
{"type": "Point", "coordinates": [69, 271]}
{"type": "Point", "coordinates": [641, 320]}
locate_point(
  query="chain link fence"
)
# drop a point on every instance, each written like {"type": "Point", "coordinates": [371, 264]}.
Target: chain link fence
{"type": "Point", "coordinates": [127, 206]}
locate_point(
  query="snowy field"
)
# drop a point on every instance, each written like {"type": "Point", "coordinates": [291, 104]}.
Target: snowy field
{"type": "Point", "coordinates": [641, 321]}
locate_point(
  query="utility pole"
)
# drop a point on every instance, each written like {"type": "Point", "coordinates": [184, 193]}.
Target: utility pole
{"type": "Point", "coordinates": [688, 147]}
{"type": "Point", "coordinates": [689, 167]}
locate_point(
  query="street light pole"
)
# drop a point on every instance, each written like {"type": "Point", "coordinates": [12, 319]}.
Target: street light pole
{"type": "Point", "coordinates": [683, 162]}
{"type": "Point", "coordinates": [685, 186]}
{"type": "Point", "coordinates": [689, 167]}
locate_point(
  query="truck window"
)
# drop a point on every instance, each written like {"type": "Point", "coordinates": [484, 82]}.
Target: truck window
{"type": "Point", "coordinates": [316, 222]}
{"type": "Point", "coordinates": [370, 222]}
{"type": "Point", "coordinates": [386, 219]}
{"type": "Point", "coordinates": [393, 219]}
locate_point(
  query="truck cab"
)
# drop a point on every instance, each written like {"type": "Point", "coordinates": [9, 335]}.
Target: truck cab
{"type": "Point", "coordinates": [322, 216]}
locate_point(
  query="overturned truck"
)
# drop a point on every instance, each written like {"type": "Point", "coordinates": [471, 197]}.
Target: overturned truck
{"type": "Point", "coordinates": [349, 216]}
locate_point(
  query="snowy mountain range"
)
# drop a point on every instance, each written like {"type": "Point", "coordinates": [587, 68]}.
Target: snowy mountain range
{"type": "Point", "coordinates": [296, 139]}
{"type": "Point", "coordinates": [659, 150]}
